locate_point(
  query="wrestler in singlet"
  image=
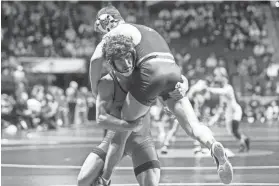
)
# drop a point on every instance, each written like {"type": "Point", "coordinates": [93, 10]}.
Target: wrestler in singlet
{"type": "Point", "coordinates": [156, 72]}
{"type": "Point", "coordinates": [139, 146]}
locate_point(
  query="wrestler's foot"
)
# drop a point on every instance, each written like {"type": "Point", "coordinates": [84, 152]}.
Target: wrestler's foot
{"type": "Point", "coordinates": [102, 182]}
{"type": "Point", "coordinates": [245, 145]}
{"type": "Point", "coordinates": [197, 150]}
{"type": "Point", "coordinates": [164, 149]}
{"type": "Point", "coordinates": [224, 167]}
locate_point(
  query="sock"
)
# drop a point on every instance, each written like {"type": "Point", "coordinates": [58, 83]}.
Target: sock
{"type": "Point", "coordinates": [235, 129]}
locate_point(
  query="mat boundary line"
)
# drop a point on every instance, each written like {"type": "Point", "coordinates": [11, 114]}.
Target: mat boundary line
{"type": "Point", "coordinates": [131, 168]}
{"type": "Point", "coordinates": [194, 184]}
{"type": "Point", "coordinates": [45, 146]}
{"type": "Point", "coordinates": [98, 139]}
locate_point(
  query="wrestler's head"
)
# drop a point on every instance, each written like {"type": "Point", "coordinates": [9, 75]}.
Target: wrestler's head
{"type": "Point", "coordinates": [107, 18]}
{"type": "Point", "coordinates": [120, 53]}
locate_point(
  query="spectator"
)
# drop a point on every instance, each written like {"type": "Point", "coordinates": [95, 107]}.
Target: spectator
{"type": "Point", "coordinates": [49, 110]}
{"type": "Point", "coordinates": [211, 61]}
{"type": "Point", "coordinates": [81, 111]}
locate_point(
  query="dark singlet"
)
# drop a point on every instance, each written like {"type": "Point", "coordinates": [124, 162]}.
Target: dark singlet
{"type": "Point", "coordinates": [119, 96]}
{"type": "Point", "coordinates": [118, 101]}
{"type": "Point", "coordinates": [151, 41]}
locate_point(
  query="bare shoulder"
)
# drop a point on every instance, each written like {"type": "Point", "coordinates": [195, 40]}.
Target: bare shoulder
{"type": "Point", "coordinates": [98, 53]}
{"type": "Point", "coordinates": [106, 85]}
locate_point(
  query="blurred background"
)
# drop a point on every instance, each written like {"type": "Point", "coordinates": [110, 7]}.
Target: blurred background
{"type": "Point", "coordinates": [47, 46]}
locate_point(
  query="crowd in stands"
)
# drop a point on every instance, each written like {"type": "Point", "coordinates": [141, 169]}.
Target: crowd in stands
{"type": "Point", "coordinates": [52, 28]}
{"type": "Point", "coordinates": [47, 107]}
{"type": "Point", "coordinates": [48, 29]}
{"type": "Point", "coordinates": [241, 25]}
{"type": "Point", "coordinates": [202, 36]}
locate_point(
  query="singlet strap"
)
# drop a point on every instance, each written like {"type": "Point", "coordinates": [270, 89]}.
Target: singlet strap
{"type": "Point", "coordinates": [117, 82]}
{"type": "Point", "coordinates": [162, 55]}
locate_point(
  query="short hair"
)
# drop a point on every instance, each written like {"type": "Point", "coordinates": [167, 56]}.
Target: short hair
{"type": "Point", "coordinates": [117, 46]}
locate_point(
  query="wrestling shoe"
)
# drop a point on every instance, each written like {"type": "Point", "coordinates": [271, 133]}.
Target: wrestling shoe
{"type": "Point", "coordinates": [102, 182]}
{"type": "Point", "coordinates": [164, 149]}
{"type": "Point", "coordinates": [197, 150]}
{"type": "Point", "coordinates": [245, 145]}
{"type": "Point", "coordinates": [224, 167]}
{"type": "Point", "coordinates": [241, 148]}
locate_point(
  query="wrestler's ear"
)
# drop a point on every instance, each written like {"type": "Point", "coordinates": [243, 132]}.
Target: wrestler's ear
{"type": "Point", "coordinates": [134, 54]}
{"type": "Point", "coordinates": [111, 64]}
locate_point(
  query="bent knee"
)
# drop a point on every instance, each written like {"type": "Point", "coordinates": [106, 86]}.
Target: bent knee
{"type": "Point", "coordinates": [150, 177]}
{"type": "Point", "coordinates": [154, 181]}
{"type": "Point", "coordinates": [82, 180]}
{"type": "Point", "coordinates": [86, 178]}
{"type": "Point", "coordinates": [90, 169]}
{"type": "Point", "coordinates": [155, 178]}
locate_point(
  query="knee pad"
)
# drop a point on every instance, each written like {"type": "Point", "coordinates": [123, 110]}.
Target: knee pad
{"type": "Point", "coordinates": [148, 165]}
{"type": "Point", "coordinates": [235, 127]}
{"type": "Point", "coordinates": [102, 154]}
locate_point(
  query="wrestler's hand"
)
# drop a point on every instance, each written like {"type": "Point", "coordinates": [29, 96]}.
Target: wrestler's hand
{"type": "Point", "coordinates": [180, 89]}
{"type": "Point", "coordinates": [167, 110]}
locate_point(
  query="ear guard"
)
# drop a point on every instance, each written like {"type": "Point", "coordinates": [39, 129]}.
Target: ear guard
{"type": "Point", "coordinates": [104, 23]}
{"type": "Point", "coordinates": [112, 64]}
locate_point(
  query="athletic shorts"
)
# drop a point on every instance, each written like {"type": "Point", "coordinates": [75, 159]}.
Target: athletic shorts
{"type": "Point", "coordinates": [154, 77]}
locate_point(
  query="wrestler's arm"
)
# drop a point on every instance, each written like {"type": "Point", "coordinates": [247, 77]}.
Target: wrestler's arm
{"type": "Point", "coordinates": [197, 88]}
{"type": "Point", "coordinates": [220, 91]}
{"type": "Point", "coordinates": [104, 98]}
{"type": "Point", "coordinates": [97, 59]}
{"type": "Point", "coordinates": [95, 69]}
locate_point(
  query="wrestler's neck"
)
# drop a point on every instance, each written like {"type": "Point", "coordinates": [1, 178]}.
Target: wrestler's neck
{"type": "Point", "coordinates": [121, 79]}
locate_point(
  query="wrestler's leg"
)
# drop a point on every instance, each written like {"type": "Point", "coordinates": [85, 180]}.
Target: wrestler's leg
{"type": "Point", "coordinates": [146, 164]}
{"type": "Point", "coordinates": [187, 119]}
{"type": "Point", "coordinates": [114, 154]}
{"type": "Point", "coordinates": [94, 163]}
